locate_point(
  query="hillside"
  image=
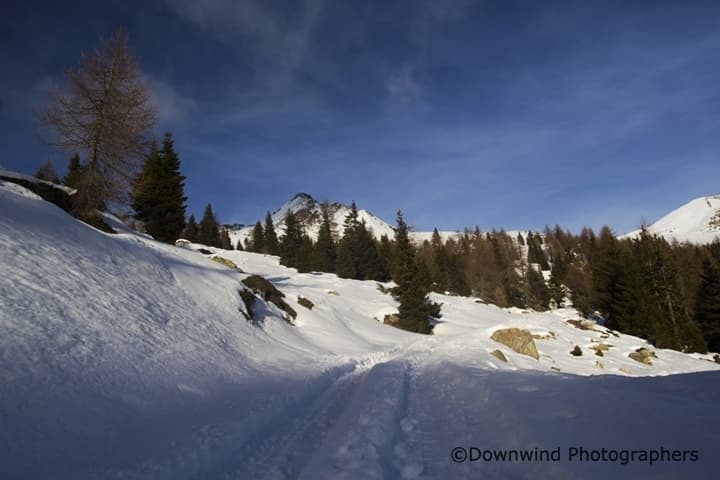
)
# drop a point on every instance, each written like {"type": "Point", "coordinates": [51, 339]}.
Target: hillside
{"type": "Point", "coordinates": [121, 357]}
{"type": "Point", "coordinates": [698, 221]}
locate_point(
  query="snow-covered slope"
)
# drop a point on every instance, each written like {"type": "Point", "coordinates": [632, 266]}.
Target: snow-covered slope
{"type": "Point", "coordinates": [698, 221]}
{"type": "Point", "coordinates": [121, 357]}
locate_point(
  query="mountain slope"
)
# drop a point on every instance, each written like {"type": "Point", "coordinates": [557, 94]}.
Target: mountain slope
{"type": "Point", "coordinates": [121, 357]}
{"type": "Point", "coordinates": [698, 221]}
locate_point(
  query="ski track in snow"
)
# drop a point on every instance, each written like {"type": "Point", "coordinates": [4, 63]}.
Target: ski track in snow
{"type": "Point", "coordinates": [124, 358]}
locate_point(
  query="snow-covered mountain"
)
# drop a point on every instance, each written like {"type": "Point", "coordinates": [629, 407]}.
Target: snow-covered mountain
{"type": "Point", "coordinates": [122, 357]}
{"type": "Point", "coordinates": [698, 221]}
{"type": "Point", "coordinates": [309, 211]}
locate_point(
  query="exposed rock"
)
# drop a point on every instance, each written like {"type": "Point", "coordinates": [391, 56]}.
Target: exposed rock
{"type": "Point", "coordinates": [548, 336]}
{"type": "Point", "coordinates": [392, 319]}
{"type": "Point", "coordinates": [181, 242]}
{"type": "Point", "coordinates": [248, 298]}
{"type": "Point", "coordinates": [576, 351]}
{"type": "Point", "coordinates": [518, 340]}
{"type": "Point", "coordinates": [716, 358]}
{"type": "Point", "coordinates": [582, 324]}
{"type": "Point", "coordinates": [305, 302]}
{"type": "Point", "coordinates": [333, 292]}
{"type": "Point", "coordinates": [600, 348]}
{"type": "Point", "coordinates": [205, 251]}
{"type": "Point", "coordinates": [599, 364]}
{"type": "Point", "coordinates": [499, 355]}
{"type": "Point", "coordinates": [642, 355]}
{"type": "Point", "coordinates": [223, 261]}
{"type": "Point", "coordinates": [269, 293]}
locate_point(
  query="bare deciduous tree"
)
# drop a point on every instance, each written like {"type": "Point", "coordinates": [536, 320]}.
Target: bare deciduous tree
{"type": "Point", "coordinates": [104, 113]}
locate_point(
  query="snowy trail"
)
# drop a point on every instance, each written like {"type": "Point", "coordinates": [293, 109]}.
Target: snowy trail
{"type": "Point", "coordinates": [121, 357]}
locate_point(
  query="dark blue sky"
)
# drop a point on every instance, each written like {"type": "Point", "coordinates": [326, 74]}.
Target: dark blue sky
{"type": "Point", "coordinates": [497, 113]}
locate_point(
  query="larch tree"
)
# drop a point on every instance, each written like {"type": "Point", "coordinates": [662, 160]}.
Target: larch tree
{"type": "Point", "coordinates": [103, 113]}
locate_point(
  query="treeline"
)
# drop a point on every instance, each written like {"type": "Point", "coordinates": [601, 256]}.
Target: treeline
{"type": "Point", "coordinates": [356, 255]}
{"type": "Point", "coordinates": [646, 286]}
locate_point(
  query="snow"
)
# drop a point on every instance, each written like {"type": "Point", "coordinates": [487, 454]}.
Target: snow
{"type": "Point", "coordinates": [121, 357]}
{"type": "Point", "coordinates": [19, 176]}
{"type": "Point", "coordinates": [698, 221]}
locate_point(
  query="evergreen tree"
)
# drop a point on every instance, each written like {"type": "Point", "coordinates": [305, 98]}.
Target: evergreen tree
{"type": "Point", "coordinates": [270, 241]}
{"type": "Point", "coordinates": [304, 258]}
{"type": "Point", "coordinates": [225, 242]}
{"type": "Point", "coordinates": [191, 230]}
{"type": "Point", "coordinates": [415, 308]}
{"type": "Point", "coordinates": [291, 242]}
{"type": "Point", "coordinates": [47, 172]}
{"type": "Point", "coordinates": [74, 173]}
{"type": "Point", "coordinates": [257, 243]}
{"type": "Point", "coordinates": [158, 193]}
{"type": "Point", "coordinates": [208, 231]}
{"type": "Point", "coordinates": [239, 245]}
{"type": "Point", "coordinates": [707, 309]}
{"type": "Point", "coordinates": [324, 253]}
{"type": "Point", "coordinates": [348, 247]}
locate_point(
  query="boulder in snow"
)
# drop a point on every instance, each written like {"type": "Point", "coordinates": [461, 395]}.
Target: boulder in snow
{"type": "Point", "coordinates": [517, 339]}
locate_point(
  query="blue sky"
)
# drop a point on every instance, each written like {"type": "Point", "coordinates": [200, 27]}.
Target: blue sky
{"type": "Point", "coordinates": [459, 112]}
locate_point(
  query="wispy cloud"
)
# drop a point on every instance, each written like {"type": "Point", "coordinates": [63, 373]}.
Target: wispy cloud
{"type": "Point", "coordinates": [403, 86]}
{"type": "Point", "coordinates": [280, 40]}
{"type": "Point", "coordinates": [174, 107]}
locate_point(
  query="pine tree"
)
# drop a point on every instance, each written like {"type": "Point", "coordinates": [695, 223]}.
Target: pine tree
{"type": "Point", "coordinates": [270, 242]}
{"type": "Point", "coordinates": [74, 173]}
{"type": "Point", "coordinates": [304, 258]}
{"type": "Point", "coordinates": [707, 309]}
{"type": "Point", "coordinates": [47, 172]}
{"type": "Point", "coordinates": [348, 247]}
{"type": "Point", "coordinates": [208, 232]}
{"type": "Point", "coordinates": [291, 241]}
{"type": "Point", "coordinates": [239, 245]}
{"type": "Point", "coordinates": [324, 253]}
{"type": "Point", "coordinates": [415, 308]}
{"type": "Point", "coordinates": [257, 243]}
{"type": "Point", "coordinates": [190, 232]}
{"type": "Point", "coordinates": [158, 193]}
{"type": "Point", "coordinates": [225, 242]}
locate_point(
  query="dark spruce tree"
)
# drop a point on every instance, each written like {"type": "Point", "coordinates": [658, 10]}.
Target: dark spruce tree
{"type": "Point", "coordinates": [225, 242]}
{"type": "Point", "coordinates": [257, 243]}
{"type": "Point", "coordinates": [347, 256]}
{"type": "Point", "coordinates": [707, 308]}
{"type": "Point", "coordinates": [415, 309]}
{"type": "Point", "coordinates": [74, 173]}
{"type": "Point", "coordinates": [270, 241]}
{"type": "Point", "coordinates": [291, 241]}
{"type": "Point", "coordinates": [158, 194]}
{"type": "Point", "coordinates": [239, 245]}
{"type": "Point", "coordinates": [47, 172]}
{"type": "Point", "coordinates": [324, 253]}
{"type": "Point", "coordinates": [208, 230]}
{"type": "Point", "coordinates": [191, 230]}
